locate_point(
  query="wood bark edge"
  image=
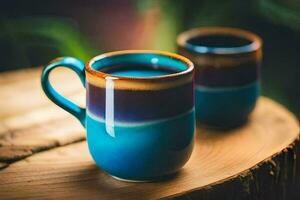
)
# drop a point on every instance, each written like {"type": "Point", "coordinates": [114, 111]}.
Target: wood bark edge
{"type": "Point", "coordinates": [275, 177]}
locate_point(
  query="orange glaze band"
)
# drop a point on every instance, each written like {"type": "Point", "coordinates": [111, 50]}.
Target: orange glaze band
{"type": "Point", "coordinates": [99, 78]}
{"type": "Point", "coordinates": [223, 56]}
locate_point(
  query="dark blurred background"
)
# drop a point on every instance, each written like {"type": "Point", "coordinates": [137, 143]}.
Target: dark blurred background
{"type": "Point", "coordinates": [32, 32]}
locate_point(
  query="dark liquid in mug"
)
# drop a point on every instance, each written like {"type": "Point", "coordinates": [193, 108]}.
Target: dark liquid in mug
{"type": "Point", "coordinates": [138, 70]}
{"type": "Point", "coordinates": [218, 41]}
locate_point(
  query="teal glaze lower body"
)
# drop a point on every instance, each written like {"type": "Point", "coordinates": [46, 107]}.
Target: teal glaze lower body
{"type": "Point", "coordinates": [142, 152]}
{"type": "Point", "coordinates": [227, 107]}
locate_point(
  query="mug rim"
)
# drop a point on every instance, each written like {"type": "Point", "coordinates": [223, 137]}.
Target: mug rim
{"type": "Point", "coordinates": [89, 69]}
{"type": "Point", "coordinates": [254, 45]}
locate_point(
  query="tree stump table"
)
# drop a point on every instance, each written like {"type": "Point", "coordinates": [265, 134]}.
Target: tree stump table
{"type": "Point", "coordinates": [43, 154]}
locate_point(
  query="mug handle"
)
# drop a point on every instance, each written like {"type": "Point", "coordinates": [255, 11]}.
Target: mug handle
{"type": "Point", "coordinates": [77, 66]}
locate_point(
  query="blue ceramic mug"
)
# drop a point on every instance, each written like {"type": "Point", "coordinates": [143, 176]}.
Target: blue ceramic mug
{"type": "Point", "coordinates": [139, 115]}
{"type": "Point", "coordinates": [227, 64]}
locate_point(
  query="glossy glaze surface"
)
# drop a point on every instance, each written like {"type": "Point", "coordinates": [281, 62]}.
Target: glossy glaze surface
{"type": "Point", "coordinates": [139, 105]}
{"type": "Point", "coordinates": [141, 151]}
{"type": "Point", "coordinates": [142, 132]}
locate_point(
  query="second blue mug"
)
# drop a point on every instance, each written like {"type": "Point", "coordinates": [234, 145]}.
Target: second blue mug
{"type": "Point", "coordinates": [140, 111]}
{"type": "Point", "coordinates": [227, 65]}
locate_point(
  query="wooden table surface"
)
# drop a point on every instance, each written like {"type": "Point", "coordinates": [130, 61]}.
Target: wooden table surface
{"type": "Point", "coordinates": [43, 153]}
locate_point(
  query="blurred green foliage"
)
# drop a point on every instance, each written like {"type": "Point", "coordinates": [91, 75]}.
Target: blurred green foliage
{"type": "Point", "coordinates": [31, 41]}
{"type": "Point", "coordinates": [285, 12]}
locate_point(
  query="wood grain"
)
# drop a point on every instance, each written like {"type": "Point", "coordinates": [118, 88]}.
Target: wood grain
{"type": "Point", "coordinates": [255, 161]}
{"type": "Point", "coordinates": [29, 121]}
{"type": "Point", "coordinates": [21, 90]}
